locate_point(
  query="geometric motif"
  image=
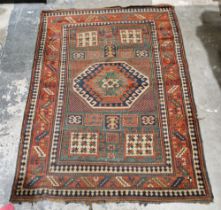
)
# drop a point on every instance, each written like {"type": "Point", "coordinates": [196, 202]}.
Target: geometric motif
{"type": "Point", "coordinates": [93, 120]}
{"type": "Point", "coordinates": [147, 119]}
{"type": "Point", "coordinates": [110, 51]}
{"type": "Point", "coordinates": [110, 84]}
{"type": "Point", "coordinates": [141, 53]}
{"type": "Point", "coordinates": [138, 145]}
{"type": "Point", "coordinates": [75, 119]}
{"type": "Point", "coordinates": [39, 151]}
{"type": "Point", "coordinates": [112, 137]}
{"type": "Point", "coordinates": [84, 143]}
{"type": "Point", "coordinates": [131, 36]}
{"type": "Point", "coordinates": [130, 120]}
{"type": "Point", "coordinates": [112, 122]}
{"type": "Point", "coordinates": [78, 55]}
{"type": "Point", "coordinates": [87, 39]}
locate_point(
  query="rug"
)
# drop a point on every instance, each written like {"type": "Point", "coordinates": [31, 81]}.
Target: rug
{"type": "Point", "coordinates": [110, 114]}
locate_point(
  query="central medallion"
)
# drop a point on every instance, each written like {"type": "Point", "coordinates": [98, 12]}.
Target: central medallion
{"type": "Point", "coordinates": [110, 85]}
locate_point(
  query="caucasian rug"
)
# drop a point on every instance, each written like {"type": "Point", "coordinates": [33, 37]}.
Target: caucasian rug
{"type": "Point", "coordinates": [110, 114]}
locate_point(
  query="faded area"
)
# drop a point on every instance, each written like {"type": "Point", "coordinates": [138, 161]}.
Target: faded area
{"type": "Point", "coordinates": [201, 28]}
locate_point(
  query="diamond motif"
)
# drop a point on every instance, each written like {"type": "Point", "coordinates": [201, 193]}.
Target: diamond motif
{"type": "Point", "coordinates": [110, 85]}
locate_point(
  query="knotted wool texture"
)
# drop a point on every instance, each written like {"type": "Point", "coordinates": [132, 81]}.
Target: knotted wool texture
{"type": "Point", "coordinates": [110, 114]}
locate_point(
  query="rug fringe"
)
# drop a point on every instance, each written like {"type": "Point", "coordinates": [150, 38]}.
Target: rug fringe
{"type": "Point", "coordinates": [90, 206]}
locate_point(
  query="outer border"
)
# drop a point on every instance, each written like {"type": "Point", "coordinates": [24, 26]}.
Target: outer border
{"type": "Point", "coordinates": [205, 199]}
{"type": "Point", "coordinates": [194, 109]}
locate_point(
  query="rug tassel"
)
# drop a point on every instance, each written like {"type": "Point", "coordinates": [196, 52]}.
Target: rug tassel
{"type": "Point", "coordinates": [90, 206]}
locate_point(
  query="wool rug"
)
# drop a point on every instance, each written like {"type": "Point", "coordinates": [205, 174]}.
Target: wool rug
{"type": "Point", "coordinates": [110, 114]}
